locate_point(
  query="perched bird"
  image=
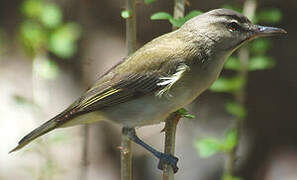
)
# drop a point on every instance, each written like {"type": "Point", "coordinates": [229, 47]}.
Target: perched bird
{"type": "Point", "coordinates": [161, 77]}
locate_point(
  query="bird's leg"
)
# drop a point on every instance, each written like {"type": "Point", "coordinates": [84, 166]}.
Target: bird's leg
{"type": "Point", "coordinates": [163, 158]}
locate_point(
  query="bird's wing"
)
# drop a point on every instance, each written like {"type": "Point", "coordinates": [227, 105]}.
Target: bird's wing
{"type": "Point", "coordinates": [154, 68]}
{"type": "Point", "coordinates": [129, 86]}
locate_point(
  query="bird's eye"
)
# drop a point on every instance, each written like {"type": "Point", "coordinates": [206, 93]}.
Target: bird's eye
{"type": "Point", "coordinates": [233, 26]}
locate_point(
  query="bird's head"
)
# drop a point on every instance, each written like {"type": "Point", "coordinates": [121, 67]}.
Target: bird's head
{"type": "Point", "coordinates": [226, 29]}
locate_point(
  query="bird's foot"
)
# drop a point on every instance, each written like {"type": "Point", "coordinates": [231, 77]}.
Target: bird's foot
{"type": "Point", "coordinates": [168, 159]}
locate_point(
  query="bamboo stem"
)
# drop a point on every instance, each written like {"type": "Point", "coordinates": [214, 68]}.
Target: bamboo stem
{"type": "Point", "coordinates": [173, 119]}
{"type": "Point", "coordinates": [169, 148]}
{"type": "Point", "coordinates": [178, 10]}
{"type": "Point", "coordinates": [126, 150]}
{"type": "Point", "coordinates": [249, 9]}
{"type": "Point", "coordinates": [131, 26]}
{"type": "Point", "coordinates": [85, 150]}
{"type": "Point", "coordinates": [126, 158]}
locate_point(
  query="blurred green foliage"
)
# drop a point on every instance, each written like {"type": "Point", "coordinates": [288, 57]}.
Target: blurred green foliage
{"type": "Point", "coordinates": [126, 14]}
{"type": "Point", "coordinates": [230, 84]}
{"type": "Point", "coordinates": [175, 22]}
{"type": "Point", "coordinates": [230, 177]}
{"type": "Point", "coordinates": [149, 1]}
{"type": "Point", "coordinates": [269, 15]}
{"type": "Point", "coordinates": [209, 146]}
{"type": "Point", "coordinates": [43, 29]}
{"type": "Point", "coordinates": [236, 109]}
{"type": "Point", "coordinates": [46, 68]}
{"type": "Point", "coordinates": [43, 32]}
{"type": "Point", "coordinates": [62, 41]}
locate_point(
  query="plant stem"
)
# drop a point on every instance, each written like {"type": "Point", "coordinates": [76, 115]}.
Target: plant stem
{"type": "Point", "coordinates": [169, 148]}
{"type": "Point", "coordinates": [126, 150]}
{"type": "Point", "coordinates": [249, 9]}
{"type": "Point", "coordinates": [131, 26]}
{"type": "Point", "coordinates": [173, 119]}
{"type": "Point", "coordinates": [178, 10]}
{"type": "Point", "coordinates": [85, 150]}
{"type": "Point", "coordinates": [126, 158]}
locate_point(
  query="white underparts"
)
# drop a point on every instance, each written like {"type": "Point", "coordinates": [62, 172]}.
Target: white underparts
{"type": "Point", "coordinates": [170, 81]}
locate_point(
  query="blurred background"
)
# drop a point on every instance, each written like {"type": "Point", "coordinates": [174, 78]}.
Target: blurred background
{"type": "Point", "coordinates": [51, 51]}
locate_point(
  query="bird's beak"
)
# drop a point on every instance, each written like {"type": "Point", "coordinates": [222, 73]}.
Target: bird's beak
{"type": "Point", "coordinates": [261, 31]}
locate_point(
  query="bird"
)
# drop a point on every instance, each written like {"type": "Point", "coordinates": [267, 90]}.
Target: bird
{"type": "Point", "coordinates": [162, 76]}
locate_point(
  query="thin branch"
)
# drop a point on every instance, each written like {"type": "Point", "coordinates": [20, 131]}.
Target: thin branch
{"type": "Point", "coordinates": [178, 10]}
{"type": "Point", "coordinates": [131, 26]}
{"type": "Point", "coordinates": [126, 150]}
{"type": "Point", "coordinates": [126, 158]}
{"type": "Point", "coordinates": [85, 150]}
{"type": "Point", "coordinates": [249, 9]}
{"type": "Point", "coordinates": [173, 119]}
{"type": "Point", "coordinates": [170, 132]}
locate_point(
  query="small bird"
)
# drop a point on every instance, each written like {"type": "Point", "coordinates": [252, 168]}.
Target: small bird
{"type": "Point", "coordinates": [161, 77]}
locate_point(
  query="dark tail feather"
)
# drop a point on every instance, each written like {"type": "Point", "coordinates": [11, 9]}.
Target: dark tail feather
{"type": "Point", "coordinates": [41, 130]}
{"type": "Point", "coordinates": [45, 128]}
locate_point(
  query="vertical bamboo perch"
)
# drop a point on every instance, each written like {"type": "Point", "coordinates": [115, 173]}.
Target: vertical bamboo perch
{"type": "Point", "coordinates": [249, 9]}
{"type": "Point", "coordinates": [170, 131]}
{"type": "Point", "coordinates": [85, 150]}
{"type": "Point", "coordinates": [126, 150]}
{"type": "Point", "coordinates": [172, 120]}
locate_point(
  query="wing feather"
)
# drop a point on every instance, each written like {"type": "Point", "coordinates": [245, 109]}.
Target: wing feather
{"type": "Point", "coordinates": [120, 88]}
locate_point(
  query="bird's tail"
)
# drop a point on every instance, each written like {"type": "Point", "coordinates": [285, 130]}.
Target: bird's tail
{"type": "Point", "coordinates": [43, 129]}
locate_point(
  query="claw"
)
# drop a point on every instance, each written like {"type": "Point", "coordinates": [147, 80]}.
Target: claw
{"type": "Point", "coordinates": [168, 159]}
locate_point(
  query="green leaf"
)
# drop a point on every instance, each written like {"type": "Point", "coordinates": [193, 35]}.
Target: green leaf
{"type": "Point", "coordinates": [33, 36]}
{"type": "Point", "coordinates": [183, 112]}
{"type": "Point", "coordinates": [192, 14]}
{"type": "Point", "coordinates": [236, 109]}
{"type": "Point", "coordinates": [233, 7]}
{"type": "Point", "coordinates": [260, 46]}
{"type": "Point", "coordinates": [161, 16]}
{"type": "Point", "coordinates": [272, 15]}
{"type": "Point", "coordinates": [47, 69]}
{"type": "Point", "coordinates": [51, 16]}
{"type": "Point", "coordinates": [177, 22]}
{"type": "Point", "coordinates": [126, 14]}
{"type": "Point", "coordinates": [233, 63]}
{"type": "Point", "coordinates": [189, 116]}
{"type": "Point", "coordinates": [180, 21]}
{"type": "Point", "coordinates": [166, 16]}
{"type": "Point", "coordinates": [32, 8]}
{"type": "Point", "coordinates": [227, 84]}
{"type": "Point", "coordinates": [63, 40]}
{"type": "Point", "coordinates": [149, 1]}
{"type": "Point", "coordinates": [260, 63]}
{"type": "Point", "coordinates": [230, 141]}
{"type": "Point", "coordinates": [207, 146]}
{"type": "Point", "coordinates": [230, 177]}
